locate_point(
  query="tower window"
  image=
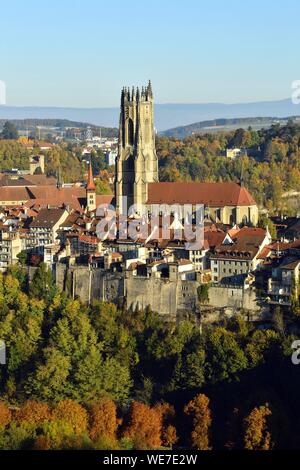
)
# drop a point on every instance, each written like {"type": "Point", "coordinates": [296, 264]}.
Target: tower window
{"type": "Point", "coordinates": [130, 132]}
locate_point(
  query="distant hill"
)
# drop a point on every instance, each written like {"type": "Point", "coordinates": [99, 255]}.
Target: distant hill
{"type": "Point", "coordinates": [167, 116]}
{"type": "Point", "coordinates": [58, 123]}
{"type": "Point", "coordinates": [61, 124]}
{"type": "Point", "coordinates": [222, 125]}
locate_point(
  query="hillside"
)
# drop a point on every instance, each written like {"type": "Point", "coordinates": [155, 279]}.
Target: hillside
{"type": "Point", "coordinates": [223, 125]}
{"type": "Point", "coordinates": [60, 124]}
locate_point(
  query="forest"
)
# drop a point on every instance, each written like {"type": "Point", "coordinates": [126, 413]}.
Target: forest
{"type": "Point", "coordinates": [63, 158]}
{"type": "Point", "coordinates": [101, 377]}
{"type": "Point", "coordinates": [270, 169]}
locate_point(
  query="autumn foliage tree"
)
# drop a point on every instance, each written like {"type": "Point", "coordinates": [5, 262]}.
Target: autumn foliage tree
{"type": "Point", "coordinates": [198, 409]}
{"type": "Point", "coordinates": [103, 419]}
{"type": "Point", "coordinates": [144, 427]}
{"type": "Point", "coordinates": [256, 433]}
{"type": "Point", "coordinates": [73, 414]}
{"type": "Point", "coordinates": [167, 413]}
{"type": "Point", "coordinates": [5, 414]}
{"type": "Point", "coordinates": [33, 412]}
{"type": "Point", "coordinates": [42, 442]}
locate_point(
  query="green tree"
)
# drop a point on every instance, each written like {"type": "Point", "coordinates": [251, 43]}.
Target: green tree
{"type": "Point", "coordinates": [265, 222]}
{"type": "Point", "coordinates": [42, 285]}
{"type": "Point", "coordinates": [203, 293]}
{"type": "Point", "coordinates": [224, 357]}
{"type": "Point", "coordinates": [9, 131]}
{"type": "Point", "coordinates": [50, 380]}
{"type": "Point", "coordinates": [22, 257]}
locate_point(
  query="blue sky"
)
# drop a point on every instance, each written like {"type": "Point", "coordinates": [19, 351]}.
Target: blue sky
{"type": "Point", "coordinates": [81, 52]}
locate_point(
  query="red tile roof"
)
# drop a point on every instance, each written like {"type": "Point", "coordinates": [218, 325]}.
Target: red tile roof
{"type": "Point", "coordinates": [214, 238]}
{"type": "Point", "coordinates": [265, 253]}
{"type": "Point", "coordinates": [210, 194]}
{"type": "Point", "coordinates": [88, 239]}
{"type": "Point", "coordinates": [246, 244]}
{"type": "Point", "coordinates": [104, 199]}
{"type": "Point", "coordinates": [14, 193]}
{"type": "Point", "coordinates": [282, 246]}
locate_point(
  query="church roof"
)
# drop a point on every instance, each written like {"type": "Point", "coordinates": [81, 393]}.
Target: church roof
{"type": "Point", "coordinates": [209, 194]}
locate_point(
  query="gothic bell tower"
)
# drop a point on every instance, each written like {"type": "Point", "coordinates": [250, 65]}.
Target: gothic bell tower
{"type": "Point", "coordinates": [136, 163]}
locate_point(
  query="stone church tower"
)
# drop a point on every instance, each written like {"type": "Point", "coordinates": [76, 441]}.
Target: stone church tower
{"type": "Point", "coordinates": [90, 191]}
{"type": "Point", "coordinates": [136, 163]}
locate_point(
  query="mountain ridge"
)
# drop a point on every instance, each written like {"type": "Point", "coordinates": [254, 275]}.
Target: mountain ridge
{"type": "Point", "coordinates": [223, 125]}
{"type": "Point", "coordinates": [167, 115]}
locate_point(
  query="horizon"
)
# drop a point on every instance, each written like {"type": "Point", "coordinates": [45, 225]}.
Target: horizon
{"type": "Point", "coordinates": [178, 103]}
{"type": "Point", "coordinates": [195, 53]}
{"type": "Point", "coordinates": [167, 115]}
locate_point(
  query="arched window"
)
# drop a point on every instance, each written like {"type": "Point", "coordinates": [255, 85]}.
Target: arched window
{"type": "Point", "coordinates": [130, 132]}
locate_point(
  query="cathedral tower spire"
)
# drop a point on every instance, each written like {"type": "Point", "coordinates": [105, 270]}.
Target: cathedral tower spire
{"type": "Point", "coordinates": [136, 163]}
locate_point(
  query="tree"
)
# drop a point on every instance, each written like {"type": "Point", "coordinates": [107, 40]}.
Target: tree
{"type": "Point", "coordinates": [116, 379]}
{"type": "Point", "coordinates": [260, 346]}
{"type": "Point", "coordinates": [167, 413]}
{"type": "Point", "coordinates": [102, 187]}
{"type": "Point", "coordinates": [19, 273]}
{"type": "Point", "coordinates": [265, 222]}
{"type": "Point", "coordinates": [9, 131]}
{"type": "Point", "coordinates": [103, 419]}
{"type": "Point", "coordinates": [42, 442]}
{"type": "Point", "coordinates": [278, 321]}
{"type": "Point", "coordinates": [33, 412]}
{"type": "Point", "coordinates": [5, 415]}
{"type": "Point", "coordinates": [144, 427]}
{"type": "Point", "coordinates": [17, 436]}
{"type": "Point", "coordinates": [203, 293]}
{"type": "Point", "coordinates": [224, 357]}
{"type": "Point", "coordinates": [256, 433]}
{"type": "Point", "coordinates": [72, 414]}
{"type": "Point", "coordinates": [189, 371]}
{"type": "Point", "coordinates": [21, 329]}
{"type": "Point", "coordinates": [22, 257]}
{"type": "Point", "coordinates": [239, 138]}
{"type": "Point", "coordinates": [42, 285]}
{"type": "Point", "coordinates": [49, 380]}
{"type": "Point", "coordinates": [198, 409]}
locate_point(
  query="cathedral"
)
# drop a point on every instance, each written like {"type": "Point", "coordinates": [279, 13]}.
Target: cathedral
{"type": "Point", "coordinates": [136, 180]}
{"type": "Point", "coordinates": [136, 163]}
